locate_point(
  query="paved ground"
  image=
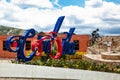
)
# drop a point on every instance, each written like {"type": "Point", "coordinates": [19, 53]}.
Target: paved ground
{"type": "Point", "coordinates": [9, 71]}
{"type": "Point", "coordinates": [5, 60]}
{"type": "Point", "coordinates": [29, 79]}
{"type": "Point", "coordinates": [33, 72]}
{"type": "Point", "coordinates": [8, 61]}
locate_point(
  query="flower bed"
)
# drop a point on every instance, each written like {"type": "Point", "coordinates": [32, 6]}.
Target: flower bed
{"type": "Point", "coordinates": [74, 64]}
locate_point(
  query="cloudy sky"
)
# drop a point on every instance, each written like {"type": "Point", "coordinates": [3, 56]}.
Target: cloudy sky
{"type": "Point", "coordinates": [84, 15]}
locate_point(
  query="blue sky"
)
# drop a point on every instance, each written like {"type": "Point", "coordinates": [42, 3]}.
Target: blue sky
{"type": "Point", "coordinates": [115, 1]}
{"type": "Point", "coordinates": [84, 15]}
{"type": "Point", "coordinates": [72, 2]}
{"type": "Point", "coordinates": [80, 3]}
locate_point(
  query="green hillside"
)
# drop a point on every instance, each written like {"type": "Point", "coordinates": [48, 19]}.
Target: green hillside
{"type": "Point", "coordinates": [5, 30]}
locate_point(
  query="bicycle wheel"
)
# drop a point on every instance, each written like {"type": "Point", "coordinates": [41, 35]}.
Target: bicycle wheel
{"type": "Point", "coordinates": [98, 39]}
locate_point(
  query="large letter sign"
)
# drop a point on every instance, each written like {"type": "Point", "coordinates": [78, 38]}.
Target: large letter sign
{"type": "Point", "coordinates": [42, 43]}
{"type": "Point", "coordinates": [20, 44]}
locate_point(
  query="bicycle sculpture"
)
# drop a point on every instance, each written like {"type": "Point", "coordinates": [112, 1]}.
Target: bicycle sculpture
{"type": "Point", "coordinates": [42, 43]}
{"type": "Point", "coordinates": [95, 37]}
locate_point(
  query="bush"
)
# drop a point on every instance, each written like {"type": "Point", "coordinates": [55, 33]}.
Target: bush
{"type": "Point", "coordinates": [77, 55]}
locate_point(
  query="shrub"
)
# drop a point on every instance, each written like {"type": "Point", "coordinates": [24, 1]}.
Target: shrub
{"type": "Point", "coordinates": [70, 63]}
{"type": "Point", "coordinates": [77, 55]}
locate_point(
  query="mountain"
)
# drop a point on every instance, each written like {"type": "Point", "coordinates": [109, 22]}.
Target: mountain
{"type": "Point", "coordinates": [5, 30]}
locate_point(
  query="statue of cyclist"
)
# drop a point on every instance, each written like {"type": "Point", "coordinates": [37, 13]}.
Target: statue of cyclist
{"type": "Point", "coordinates": [94, 35]}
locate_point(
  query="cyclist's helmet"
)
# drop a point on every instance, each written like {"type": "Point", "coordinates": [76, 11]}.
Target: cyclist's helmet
{"type": "Point", "coordinates": [97, 29]}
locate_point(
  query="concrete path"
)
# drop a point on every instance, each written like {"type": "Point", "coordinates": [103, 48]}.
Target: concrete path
{"type": "Point", "coordinates": [23, 72]}
{"type": "Point", "coordinates": [5, 61]}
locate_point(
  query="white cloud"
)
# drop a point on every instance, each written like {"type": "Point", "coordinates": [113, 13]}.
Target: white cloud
{"type": "Point", "coordinates": [35, 3]}
{"type": "Point", "coordinates": [55, 2]}
{"type": "Point", "coordinates": [95, 14]}
{"type": "Point", "coordinates": [93, 3]}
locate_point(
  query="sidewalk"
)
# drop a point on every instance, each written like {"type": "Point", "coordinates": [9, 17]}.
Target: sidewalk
{"type": "Point", "coordinates": [5, 60]}
{"type": "Point", "coordinates": [21, 71]}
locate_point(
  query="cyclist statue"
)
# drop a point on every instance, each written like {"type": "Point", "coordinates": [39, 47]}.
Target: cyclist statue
{"type": "Point", "coordinates": [95, 33]}
{"type": "Point", "coordinates": [94, 36]}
